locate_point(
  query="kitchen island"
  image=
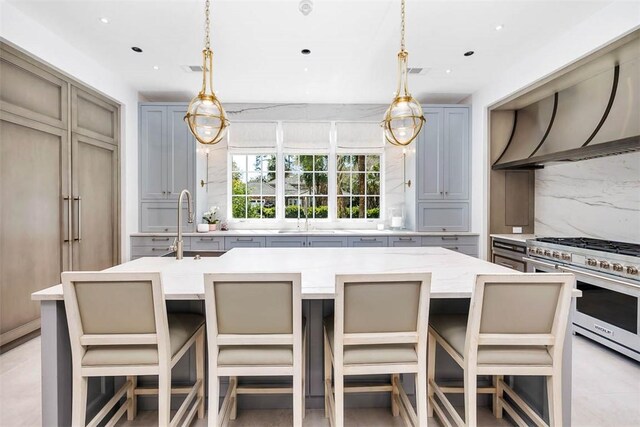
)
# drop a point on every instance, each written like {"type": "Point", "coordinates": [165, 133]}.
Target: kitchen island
{"type": "Point", "coordinates": [453, 277]}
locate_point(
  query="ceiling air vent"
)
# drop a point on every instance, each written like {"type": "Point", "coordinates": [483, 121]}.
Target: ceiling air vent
{"type": "Point", "coordinates": [420, 71]}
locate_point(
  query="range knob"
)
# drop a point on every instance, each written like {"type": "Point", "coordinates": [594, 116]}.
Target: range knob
{"type": "Point", "coordinates": [539, 251]}
{"type": "Point", "coordinates": [556, 254]}
{"type": "Point", "coordinates": [604, 264]}
{"type": "Point", "coordinates": [632, 270]}
{"type": "Point", "coordinates": [566, 256]}
{"type": "Point", "coordinates": [547, 252]}
{"type": "Point", "coordinates": [592, 262]}
{"type": "Point", "coordinates": [617, 267]}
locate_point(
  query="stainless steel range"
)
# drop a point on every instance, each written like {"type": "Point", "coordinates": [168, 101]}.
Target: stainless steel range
{"type": "Point", "coordinates": [608, 275]}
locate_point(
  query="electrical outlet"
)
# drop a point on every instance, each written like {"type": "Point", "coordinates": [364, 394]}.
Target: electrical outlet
{"type": "Point", "coordinates": [517, 230]}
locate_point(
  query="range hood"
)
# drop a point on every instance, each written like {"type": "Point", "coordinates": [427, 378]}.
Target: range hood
{"type": "Point", "coordinates": [595, 117]}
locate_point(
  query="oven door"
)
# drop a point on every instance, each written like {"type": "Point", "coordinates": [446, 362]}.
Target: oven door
{"type": "Point", "coordinates": [537, 266]}
{"type": "Point", "coordinates": [609, 307]}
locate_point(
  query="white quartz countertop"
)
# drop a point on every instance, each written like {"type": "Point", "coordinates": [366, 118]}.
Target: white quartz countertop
{"type": "Point", "coordinates": [368, 232]}
{"type": "Point", "coordinates": [521, 238]}
{"type": "Point", "coordinates": [453, 274]}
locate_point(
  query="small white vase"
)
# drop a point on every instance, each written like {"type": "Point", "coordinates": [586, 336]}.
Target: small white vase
{"type": "Point", "coordinates": [213, 227]}
{"type": "Point", "coordinates": [203, 228]}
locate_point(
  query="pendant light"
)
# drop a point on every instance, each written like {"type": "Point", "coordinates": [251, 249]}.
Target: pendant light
{"type": "Point", "coordinates": [403, 119]}
{"type": "Point", "coordinates": [206, 118]}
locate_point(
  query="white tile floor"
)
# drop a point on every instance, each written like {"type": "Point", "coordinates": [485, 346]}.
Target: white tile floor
{"type": "Point", "coordinates": [606, 392]}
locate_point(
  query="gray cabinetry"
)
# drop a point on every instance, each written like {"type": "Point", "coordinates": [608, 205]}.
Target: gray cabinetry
{"type": "Point", "coordinates": [162, 217]}
{"type": "Point", "coordinates": [286, 242]}
{"type": "Point", "coordinates": [404, 241]}
{"type": "Point", "coordinates": [206, 243]}
{"type": "Point", "coordinates": [467, 245]}
{"type": "Point", "coordinates": [443, 166]}
{"type": "Point", "coordinates": [244, 242]}
{"type": "Point", "coordinates": [367, 241]}
{"type": "Point", "coordinates": [326, 242]}
{"type": "Point", "coordinates": [152, 246]}
{"type": "Point", "coordinates": [167, 164]}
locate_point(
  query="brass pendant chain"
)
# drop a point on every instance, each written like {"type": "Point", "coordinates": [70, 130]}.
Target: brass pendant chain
{"type": "Point", "coordinates": [207, 44]}
{"type": "Point", "coordinates": [401, 27]}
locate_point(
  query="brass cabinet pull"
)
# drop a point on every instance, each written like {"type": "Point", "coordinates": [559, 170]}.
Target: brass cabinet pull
{"type": "Point", "coordinates": [449, 238]}
{"type": "Point", "coordinates": [206, 239]}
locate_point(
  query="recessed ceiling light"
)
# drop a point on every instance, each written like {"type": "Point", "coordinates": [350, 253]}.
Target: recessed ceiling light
{"type": "Point", "coordinates": [499, 27]}
{"type": "Point", "coordinates": [305, 7]}
{"type": "Point", "coordinates": [155, 67]}
{"type": "Point", "coordinates": [104, 20]}
{"type": "Point", "coordinates": [305, 51]}
{"type": "Point", "coordinates": [469, 53]}
{"type": "Point", "coordinates": [136, 49]}
{"type": "Point", "coordinates": [306, 69]}
{"type": "Point", "coordinates": [448, 71]}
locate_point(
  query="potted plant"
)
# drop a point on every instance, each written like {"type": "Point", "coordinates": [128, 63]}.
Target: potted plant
{"type": "Point", "coordinates": [209, 217]}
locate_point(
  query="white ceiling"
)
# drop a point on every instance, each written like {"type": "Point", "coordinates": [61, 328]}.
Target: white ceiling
{"type": "Point", "coordinates": [354, 44]}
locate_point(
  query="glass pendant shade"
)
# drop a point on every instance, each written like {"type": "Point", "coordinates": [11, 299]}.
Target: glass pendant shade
{"type": "Point", "coordinates": [403, 119]}
{"type": "Point", "coordinates": [206, 118]}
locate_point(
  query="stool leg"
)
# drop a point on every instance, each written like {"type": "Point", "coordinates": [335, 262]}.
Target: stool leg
{"type": "Point", "coordinates": [214, 396]}
{"type": "Point", "coordinates": [431, 371]}
{"type": "Point", "coordinates": [200, 371]}
{"type": "Point", "coordinates": [339, 397]}
{"type": "Point", "coordinates": [164, 398]}
{"type": "Point", "coordinates": [497, 407]}
{"type": "Point", "coordinates": [327, 375]}
{"type": "Point", "coordinates": [421, 395]}
{"type": "Point", "coordinates": [132, 409]}
{"type": "Point", "coordinates": [297, 394]}
{"type": "Point", "coordinates": [554, 396]}
{"type": "Point", "coordinates": [79, 404]}
{"type": "Point", "coordinates": [234, 395]}
{"type": "Point", "coordinates": [470, 397]}
{"type": "Point", "coordinates": [395, 411]}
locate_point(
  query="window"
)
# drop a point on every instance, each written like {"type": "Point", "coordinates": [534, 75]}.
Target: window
{"type": "Point", "coordinates": [358, 186]}
{"type": "Point", "coordinates": [253, 186]}
{"type": "Point", "coordinates": [306, 186]}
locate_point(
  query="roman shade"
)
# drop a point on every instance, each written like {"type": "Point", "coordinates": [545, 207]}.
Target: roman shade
{"type": "Point", "coordinates": [253, 135]}
{"type": "Point", "coordinates": [359, 136]}
{"type": "Point", "coordinates": [306, 136]}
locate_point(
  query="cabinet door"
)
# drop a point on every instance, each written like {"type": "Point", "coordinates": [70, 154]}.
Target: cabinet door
{"type": "Point", "coordinates": [430, 156]}
{"type": "Point", "coordinates": [95, 204]}
{"type": "Point", "coordinates": [286, 242]}
{"type": "Point", "coordinates": [207, 243]}
{"type": "Point", "coordinates": [180, 152]}
{"type": "Point", "coordinates": [244, 242]}
{"type": "Point", "coordinates": [456, 153]}
{"type": "Point", "coordinates": [326, 242]}
{"type": "Point", "coordinates": [404, 241]}
{"type": "Point", "coordinates": [439, 216]}
{"type": "Point", "coordinates": [34, 187]}
{"type": "Point", "coordinates": [367, 242]}
{"type": "Point", "coordinates": [162, 217]}
{"type": "Point", "coordinates": [153, 126]}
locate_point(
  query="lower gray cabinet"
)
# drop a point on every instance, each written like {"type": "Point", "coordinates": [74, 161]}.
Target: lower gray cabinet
{"type": "Point", "coordinates": [405, 242]}
{"type": "Point", "coordinates": [207, 243]}
{"type": "Point", "coordinates": [368, 241]}
{"type": "Point", "coordinates": [152, 246]}
{"type": "Point", "coordinates": [162, 217]}
{"type": "Point", "coordinates": [244, 242]}
{"type": "Point", "coordinates": [326, 242]}
{"type": "Point", "coordinates": [439, 216]}
{"type": "Point", "coordinates": [286, 242]}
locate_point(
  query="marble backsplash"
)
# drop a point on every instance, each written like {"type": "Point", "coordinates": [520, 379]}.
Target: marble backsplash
{"type": "Point", "coordinates": [597, 198]}
{"type": "Point", "coordinates": [216, 192]}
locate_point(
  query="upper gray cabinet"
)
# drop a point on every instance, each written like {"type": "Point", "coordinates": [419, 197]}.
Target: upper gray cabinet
{"type": "Point", "coordinates": [443, 154]}
{"type": "Point", "coordinates": [443, 170]}
{"type": "Point", "coordinates": [167, 153]}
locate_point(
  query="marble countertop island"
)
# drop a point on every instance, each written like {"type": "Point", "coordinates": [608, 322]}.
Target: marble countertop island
{"type": "Point", "coordinates": [453, 274]}
{"type": "Point", "coordinates": [316, 232]}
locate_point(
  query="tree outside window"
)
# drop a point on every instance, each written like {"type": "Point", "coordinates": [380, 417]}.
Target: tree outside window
{"type": "Point", "coordinates": [306, 186]}
{"type": "Point", "coordinates": [358, 186]}
{"type": "Point", "coordinates": [253, 186]}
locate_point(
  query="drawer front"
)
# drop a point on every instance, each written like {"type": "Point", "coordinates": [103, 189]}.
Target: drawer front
{"type": "Point", "coordinates": [286, 242]}
{"type": "Point", "coordinates": [367, 241]}
{"type": "Point", "coordinates": [152, 240]}
{"type": "Point", "coordinates": [434, 216]}
{"type": "Point", "coordinates": [326, 242]}
{"type": "Point", "coordinates": [509, 263]}
{"type": "Point", "coordinates": [207, 243]}
{"type": "Point", "coordinates": [405, 241]}
{"type": "Point", "coordinates": [244, 242]}
{"type": "Point", "coordinates": [449, 240]}
{"type": "Point", "coordinates": [467, 250]}
{"type": "Point", "coordinates": [147, 251]}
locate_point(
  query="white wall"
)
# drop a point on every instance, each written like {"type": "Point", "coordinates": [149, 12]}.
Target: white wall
{"type": "Point", "coordinates": [610, 23]}
{"type": "Point", "coordinates": [30, 36]}
{"type": "Point", "coordinates": [593, 198]}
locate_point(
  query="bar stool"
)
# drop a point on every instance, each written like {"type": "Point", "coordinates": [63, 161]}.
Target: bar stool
{"type": "Point", "coordinates": [118, 326]}
{"type": "Point", "coordinates": [255, 328]}
{"type": "Point", "coordinates": [379, 327]}
{"type": "Point", "coordinates": [516, 326]}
